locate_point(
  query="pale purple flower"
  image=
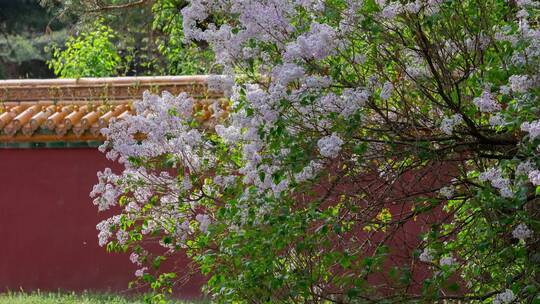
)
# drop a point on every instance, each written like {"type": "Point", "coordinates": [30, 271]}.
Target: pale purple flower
{"type": "Point", "coordinates": [524, 168]}
{"type": "Point", "coordinates": [309, 171]}
{"type": "Point", "coordinates": [497, 120]}
{"type": "Point", "coordinates": [221, 83]}
{"type": "Point", "coordinates": [230, 134]}
{"type": "Point", "coordinates": [391, 10]}
{"type": "Point", "coordinates": [504, 297]}
{"type": "Point", "coordinates": [122, 236]}
{"type": "Point", "coordinates": [448, 124]}
{"type": "Point", "coordinates": [490, 174]}
{"type": "Point", "coordinates": [204, 222]}
{"type": "Point", "coordinates": [505, 90]}
{"type": "Point", "coordinates": [486, 103]}
{"type": "Point", "coordinates": [533, 128]}
{"type": "Point", "coordinates": [522, 232]}
{"type": "Point", "coordinates": [447, 261]}
{"type": "Point", "coordinates": [413, 7]}
{"type": "Point", "coordinates": [447, 191]}
{"type": "Point", "coordinates": [140, 272]}
{"type": "Point", "coordinates": [287, 73]}
{"type": "Point", "coordinates": [520, 83]}
{"type": "Point", "coordinates": [104, 228]}
{"type": "Point", "coordinates": [524, 3]}
{"type": "Point", "coordinates": [316, 5]}
{"type": "Point", "coordinates": [134, 258]}
{"type": "Point", "coordinates": [319, 43]}
{"type": "Point", "coordinates": [106, 192]}
{"type": "Point", "coordinates": [427, 256]}
{"type": "Point", "coordinates": [534, 177]}
{"type": "Point", "coordinates": [387, 90]}
{"type": "Point", "coordinates": [494, 176]}
{"type": "Point", "coordinates": [330, 146]}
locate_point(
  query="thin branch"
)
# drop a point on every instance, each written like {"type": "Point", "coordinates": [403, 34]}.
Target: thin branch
{"type": "Point", "coordinates": [120, 6]}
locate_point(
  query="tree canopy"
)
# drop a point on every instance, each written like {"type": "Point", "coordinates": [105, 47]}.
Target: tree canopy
{"type": "Point", "coordinates": [26, 29]}
{"type": "Point", "coordinates": [367, 151]}
{"type": "Point", "coordinates": [147, 36]}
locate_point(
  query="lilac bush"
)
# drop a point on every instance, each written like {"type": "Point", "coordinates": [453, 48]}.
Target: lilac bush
{"type": "Point", "coordinates": [345, 123]}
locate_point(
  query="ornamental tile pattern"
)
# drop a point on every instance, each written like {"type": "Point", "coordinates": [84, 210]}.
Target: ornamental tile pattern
{"type": "Point", "coordinates": [75, 110]}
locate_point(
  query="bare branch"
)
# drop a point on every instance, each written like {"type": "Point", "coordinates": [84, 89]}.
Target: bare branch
{"type": "Point", "coordinates": [120, 6]}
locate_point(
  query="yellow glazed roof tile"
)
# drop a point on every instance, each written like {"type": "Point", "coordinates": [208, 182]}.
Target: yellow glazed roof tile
{"type": "Point", "coordinates": [44, 110]}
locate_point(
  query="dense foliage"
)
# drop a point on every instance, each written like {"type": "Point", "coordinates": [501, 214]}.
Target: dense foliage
{"type": "Point", "coordinates": [25, 31]}
{"type": "Point", "coordinates": [368, 151]}
{"type": "Point", "coordinates": [148, 35]}
{"type": "Point", "coordinates": [91, 54]}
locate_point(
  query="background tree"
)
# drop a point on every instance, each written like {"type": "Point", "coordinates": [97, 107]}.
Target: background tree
{"type": "Point", "coordinates": [147, 33]}
{"type": "Point", "coordinates": [91, 54]}
{"type": "Point", "coordinates": [25, 30]}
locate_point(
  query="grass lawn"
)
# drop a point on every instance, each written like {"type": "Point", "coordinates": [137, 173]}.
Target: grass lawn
{"type": "Point", "coordinates": [68, 298]}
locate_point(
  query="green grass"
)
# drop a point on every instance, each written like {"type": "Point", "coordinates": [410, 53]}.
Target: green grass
{"type": "Point", "coordinates": [68, 298]}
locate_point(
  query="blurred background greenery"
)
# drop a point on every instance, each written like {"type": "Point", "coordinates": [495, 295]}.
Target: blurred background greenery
{"type": "Point", "coordinates": [84, 38]}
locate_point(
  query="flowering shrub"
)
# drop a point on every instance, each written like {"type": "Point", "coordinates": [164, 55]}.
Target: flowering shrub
{"type": "Point", "coordinates": [346, 123]}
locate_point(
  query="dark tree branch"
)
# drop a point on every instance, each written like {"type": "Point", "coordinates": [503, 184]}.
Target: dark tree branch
{"type": "Point", "coordinates": [138, 3]}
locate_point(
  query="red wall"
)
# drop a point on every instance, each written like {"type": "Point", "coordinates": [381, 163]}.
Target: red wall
{"type": "Point", "coordinates": [48, 225]}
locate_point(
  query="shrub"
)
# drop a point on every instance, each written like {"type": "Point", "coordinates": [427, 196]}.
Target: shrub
{"type": "Point", "coordinates": [91, 54]}
{"type": "Point", "coordinates": [369, 151]}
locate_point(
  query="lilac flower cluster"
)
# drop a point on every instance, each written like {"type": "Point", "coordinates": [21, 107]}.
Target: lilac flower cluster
{"type": "Point", "coordinates": [318, 43]}
{"type": "Point", "coordinates": [521, 232]}
{"type": "Point", "coordinates": [486, 103]}
{"type": "Point", "coordinates": [494, 175]}
{"type": "Point", "coordinates": [533, 128]}
{"type": "Point", "coordinates": [504, 297]}
{"type": "Point", "coordinates": [329, 146]}
{"type": "Point", "coordinates": [448, 124]}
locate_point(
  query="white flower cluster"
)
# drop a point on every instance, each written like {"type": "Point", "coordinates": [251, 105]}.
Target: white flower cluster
{"type": "Point", "coordinates": [497, 120]}
{"type": "Point", "coordinates": [391, 9]}
{"type": "Point", "coordinates": [221, 84]}
{"type": "Point", "coordinates": [164, 123]}
{"type": "Point", "coordinates": [524, 168]}
{"type": "Point", "coordinates": [330, 146]}
{"type": "Point", "coordinates": [318, 43]}
{"type": "Point", "coordinates": [309, 171]}
{"type": "Point", "coordinates": [448, 124]}
{"type": "Point", "coordinates": [346, 104]}
{"type": "Point", "coordinates": [204, 222]}
{"type": "Point", "coordinates": [267, 21]}
{"type": "Point", "coordinates": [522, 232]}
{"type": "Point", "coordinates": [525, 3]}
{"type": "Point", "coordinates": [106, 192]}
{"type": "Point", "coordinates": [140, 272]}
{"type": "Point", "coordinates": [486, 103]}
{"type": "Point", "coordinates": [230, 134]}
{"type": "Point", "coordinates": [387, 90]}
{"type": "Point", "coordinates": [505, 297]}
{"type": "Point", "coordinates": [520, 83]}
{"type": "Point", "coordinates": [426, 256]}
{"type": "Point", "coordinates": [104, 228]}
{"type": "Point", "coordinates": [447, 261]}
{"type": "Point", "coordinates": [287, 73]}
{"type": "Point", "coordinates": [494, 175]}
{"type": "Point", "coordinates": [447, 191]}
{"type": "Point", "coordinates": [135, 258]}
{"type": "Point", "coordinates": [316, 5]}
{"type": "Point", "coordinates": [534, 177]}
{"type": "Point", "coordinates": [533, 128]}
